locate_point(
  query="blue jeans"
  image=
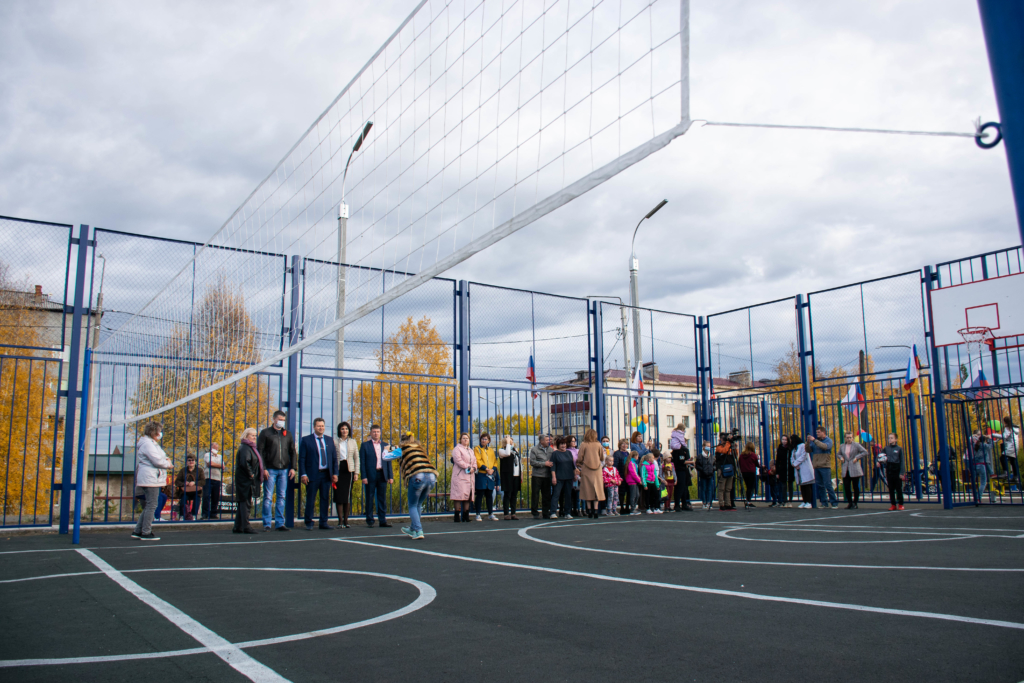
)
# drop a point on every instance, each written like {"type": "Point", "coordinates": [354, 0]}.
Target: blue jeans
{"type": "Point", "coordinates": [823, 484]}
{"type": "Point", "coordinates": [161, 500]}
{"type": "Point", "coordinates": [419, 485]}
{"type": "Point", "coordinates": [981, 479]}
{"type": "Point", "coordinates": [706, 490]}
{"type": "Point", "coordinates": [278, 482]}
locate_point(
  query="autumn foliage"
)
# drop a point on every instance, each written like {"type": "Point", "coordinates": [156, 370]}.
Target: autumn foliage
{"type": "Point", "coordinates": [28, 403]}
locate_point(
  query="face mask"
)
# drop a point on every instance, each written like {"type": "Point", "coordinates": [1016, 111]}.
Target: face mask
{"type": "Point", "coordinates": [214, 451]}
{"type": "Point", "coordinates": [280, 424]}
{"type": "Point", "coordinates": [159, 436]}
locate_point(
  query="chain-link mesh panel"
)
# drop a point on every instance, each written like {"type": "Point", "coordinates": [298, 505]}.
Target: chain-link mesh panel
{"type": "Point", "coordinates": [138, 266]}
{"type": "Point", "coordinates": [35, 338]}
{"type": "Point", "coordinates": [754, 347]}
{"type": "Point", "coordinates": [371, 343]}
{"type": "Point", "coordinates": [507, 326]}
{"type": "Point", "coordinates": [883, 318]}
{"type": "Point", "coordinates": [666, 339]}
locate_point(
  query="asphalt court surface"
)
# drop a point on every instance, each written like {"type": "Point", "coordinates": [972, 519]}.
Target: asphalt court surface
{"type": "Point", "coordinates": [866, 594]}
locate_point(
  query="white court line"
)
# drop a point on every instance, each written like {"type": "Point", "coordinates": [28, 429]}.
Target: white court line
{"type": "Point", "coordinates": [923, 516]}
{"type": "Point", "coordinates": [230, 653]}
{"type": "Point", "coordinates": [724, 533]}
{"type": "Point", "coordinates": [426, 596]}
{"type": "Point", "coordinates": [709, 591]}
{"type": "Point", "coordinates": [49, 576]}
{"type": "Point", "coordinates": [524, 533]}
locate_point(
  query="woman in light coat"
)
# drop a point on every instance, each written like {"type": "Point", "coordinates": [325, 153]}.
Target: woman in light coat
{"type": "Point", "coordinates": [801, 462]}
{"type": "Point", "coordinates": [590, 461]}
{"type": "Point", "coordinates": [463, 478]}
{"type": "Point", "coordinates": [853, 456]}
{"type": "Point", "coordinates": [150, 476]}
{"type": "Point", "coordinates": [347, 454]}
{"type": "Point", "coordinates": [511, 469]}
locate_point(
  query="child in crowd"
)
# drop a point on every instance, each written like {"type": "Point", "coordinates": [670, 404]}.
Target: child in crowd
{"type": "Point", "coordinates": [612, 480]}
{"type": "Point", "coordinates": [668, 478]}
{"type": "Point", "coordinates": [649, 477]}
{"type": "Point", "coordinates": [634, 482]}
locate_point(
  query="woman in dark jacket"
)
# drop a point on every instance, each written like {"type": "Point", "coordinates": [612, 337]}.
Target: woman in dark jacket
{"type": "Point", "coordinates": [748, 468]}
{"type": "Point", "coordinates": [782, 472]}
{"type": "Point", "coordinates": [510, 466]}
{"type": "Point", "coordinates": [248, 477]}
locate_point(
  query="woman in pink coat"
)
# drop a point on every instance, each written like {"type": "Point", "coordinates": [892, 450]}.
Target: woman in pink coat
{"type": "Point", "coordinates": [463, 476]}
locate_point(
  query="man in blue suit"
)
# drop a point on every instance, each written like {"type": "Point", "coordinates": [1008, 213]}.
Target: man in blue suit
{"type": "Point", "coordinates": [376, 476]}
{"type": "Point", "coordinates": [318, 469]}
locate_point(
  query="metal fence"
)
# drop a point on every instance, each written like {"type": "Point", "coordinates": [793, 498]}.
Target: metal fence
{"type": "Point", "coordinates": [459, 356]}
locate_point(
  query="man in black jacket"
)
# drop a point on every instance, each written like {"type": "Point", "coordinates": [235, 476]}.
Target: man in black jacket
{"type": "Point", "coordinates": [893, 470]}
{"type": "Point", "coordinates": [277, 447]}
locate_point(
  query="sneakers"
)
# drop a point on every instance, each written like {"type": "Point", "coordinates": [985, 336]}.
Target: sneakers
{"type": "Point", "coordinates": [553, 517]}
{"type": "Point", "coordinates": [417, 535]}
{"type": "Point", "coordinates": [891, 508]}
{"type": "Point", "coordinates": [634, 513]}
{"type": "Point", "coordinates": [407, 530]}
{"type": "Point", "coordinates": [899, 507]}
{"type": "Point", "coordinates": [493, 518]}
{"type": "Point", "coordinates": [136, 534]}
{"type": "Point", "coordinates": [148, 537]}
{"type": "Point", "coordinates": [478, 519]}
{"type": "Point", "coordinates": [835, 506]}
{"type": "Point", "coordinates": [568, 516]}
{"type": "Point", "coordinates": [804, 505]}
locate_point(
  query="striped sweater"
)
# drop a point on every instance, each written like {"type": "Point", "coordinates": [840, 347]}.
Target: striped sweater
{"type": "Point", "coordinates": [414, 460]}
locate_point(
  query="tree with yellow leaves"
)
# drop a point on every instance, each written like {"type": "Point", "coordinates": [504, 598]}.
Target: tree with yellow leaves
{"type": "Point", "coordinates": [221, 336]}
{"type": "Point", "coordinates": [410, 392]}
{"type": "Point", "coordinates": [28, 403]}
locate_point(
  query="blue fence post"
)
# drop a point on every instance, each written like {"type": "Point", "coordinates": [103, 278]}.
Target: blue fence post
{"type": "Point", "coordinates": [83, 430]}
{"type": "Point", "coordinates": [598, 409]}
{"type": "Point", "coordinates": [462, 349]}
{"type": "Point", "coordinates": [765, 441]}
{"type": "Point", "coordinates": [939, 402]}
{"type": "Point", "coordinates": [915, 419]}
{"type": "Point", "coordinates": [703, 356]}
{"type": "Point", "coordinates": [806, 421]}
{"type": "Point", "coordinates": [1003, 25]}
{"type": "Point", "coordinates": [294, 401]}
{"type": "Point", "coordinates": [73, 392]}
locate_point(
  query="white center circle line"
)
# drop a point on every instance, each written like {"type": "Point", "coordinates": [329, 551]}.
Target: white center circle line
{"type": "Point", "coordinates": [427, 594]}
{"type": "Point", "coordinates": [524, 533]}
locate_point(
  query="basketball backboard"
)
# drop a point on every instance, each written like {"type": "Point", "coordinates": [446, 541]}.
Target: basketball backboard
{"type": "Point", "coordinates": [996, 303]}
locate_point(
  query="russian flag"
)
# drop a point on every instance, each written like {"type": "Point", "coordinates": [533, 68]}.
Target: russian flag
{"type": "Point", "coordinates": [531, 374]}
{"type": "Point", "coordinates": [979, 382]}
{"type": "Point", "coordinates": [637, 384]}
{"type": "Point", "coordinates": [854, 399]}
{"type": "Point", "coordinates": [913, 369]}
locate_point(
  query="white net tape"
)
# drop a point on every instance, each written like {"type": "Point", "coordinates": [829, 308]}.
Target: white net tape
{"type": "Point", "coordinates": [487, 115]}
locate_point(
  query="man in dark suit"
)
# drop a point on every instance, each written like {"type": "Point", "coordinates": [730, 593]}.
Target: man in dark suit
{"type": "Point", "coordinates": [318, 469]}
{"type": "Point", "coordinates": [376, 476]}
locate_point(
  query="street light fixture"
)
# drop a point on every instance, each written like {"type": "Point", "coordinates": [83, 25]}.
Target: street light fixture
{"type": "Point", "coordinates": [634, 286]}
{"type": "Point", "coordinates": [339, 351]}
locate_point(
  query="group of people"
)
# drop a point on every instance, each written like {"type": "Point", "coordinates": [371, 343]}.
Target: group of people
{"type": "Point", "coordinates": [567, 479]}
{"type": "Point", "coordinates": [981, 455]}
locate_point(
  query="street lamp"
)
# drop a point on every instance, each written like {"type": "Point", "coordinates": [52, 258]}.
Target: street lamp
{"type": "Point", "coordinates": [634, 286]}
{"type": "Point", "coordinates": [339, 351]}
{"type": "Point", "coordinates": [625, 331]}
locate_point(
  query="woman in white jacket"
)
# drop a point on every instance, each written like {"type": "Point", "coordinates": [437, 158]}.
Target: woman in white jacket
{"type": "Point", "coordinates": [801, 462]}
{"type": "Point", "coordinates": [150, 476]}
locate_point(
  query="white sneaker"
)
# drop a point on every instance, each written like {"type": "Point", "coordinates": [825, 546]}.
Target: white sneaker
{"type": "Point", "coordinates": [634, 513]}
{"type": "Point", "coordinates": [478, 518]}
{"type": "Point", "coordinates": [493, 518]}
{"type": "Point", "coordinates": [568, 516]}
{"type": "Point", "coordinates": [553, 517]}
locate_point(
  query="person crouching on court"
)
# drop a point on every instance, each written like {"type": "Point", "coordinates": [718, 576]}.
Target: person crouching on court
{"type": "Point", "coordinates": [463, 479]}
{"type": "Point", "coordinates": [150, 477]}
{"type": "Point", "coordinates": [248, 479]}
{"type": "Point", "coordinates": [420, 475]}
{"type": "Point", "coordinates": [189, 486]}
{"type": "Point", "coordinates": [563, 474]}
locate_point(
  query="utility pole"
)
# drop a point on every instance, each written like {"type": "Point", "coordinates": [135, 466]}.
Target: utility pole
{"type": "Point", "coordinates": [634, 287]}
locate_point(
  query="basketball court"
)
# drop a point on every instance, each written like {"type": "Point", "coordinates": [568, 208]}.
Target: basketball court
{"type": "Point", "coordinates": [843, 595]}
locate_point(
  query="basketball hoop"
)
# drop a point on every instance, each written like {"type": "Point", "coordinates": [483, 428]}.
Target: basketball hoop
{"type": "Point", "coordinates": [975, 338]}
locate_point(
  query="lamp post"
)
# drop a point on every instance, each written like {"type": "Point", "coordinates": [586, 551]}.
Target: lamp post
{"type": "Point", "coordinates": [634, 287]}
{"type": "Point", "coordinates": [339, 351]}
{"type": "Point", "coordinates": [625, 330]}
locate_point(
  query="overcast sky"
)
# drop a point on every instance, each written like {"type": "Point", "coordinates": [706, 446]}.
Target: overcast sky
{"type": "Point", "coordinates": [160, 118]}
